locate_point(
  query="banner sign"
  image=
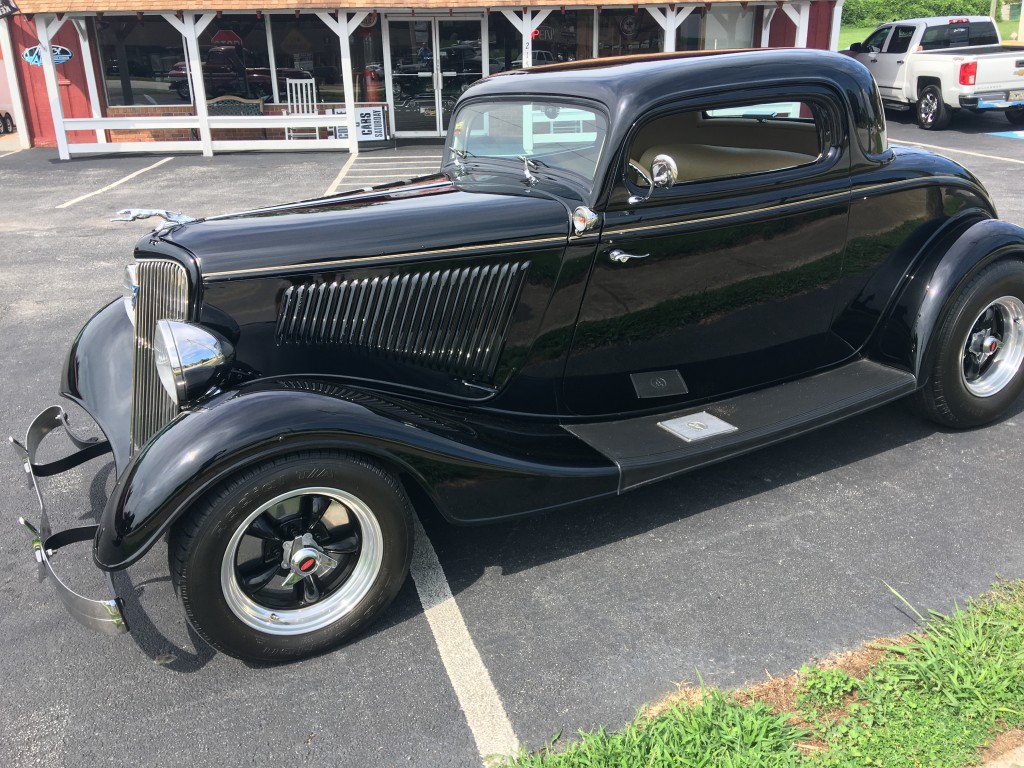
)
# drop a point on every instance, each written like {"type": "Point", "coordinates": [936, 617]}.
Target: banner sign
{"type": "Point", "coordinates": [34, 56]}
{"type": "Point", "coordinates": [7, 8]}
{"type": "Point", "coordinates": [370, 124]}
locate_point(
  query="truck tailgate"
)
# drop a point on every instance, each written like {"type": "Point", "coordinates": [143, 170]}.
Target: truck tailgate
{"type": "Point", "coordinates": [1001, 72]}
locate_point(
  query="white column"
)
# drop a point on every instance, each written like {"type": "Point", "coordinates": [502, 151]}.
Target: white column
{"type": "Point", "coordinates": [47, 26]}
{"type": "Point", "coordinates": [485, 45]}
{"type": "Point", "coordinates": [669, 20]}
{"type": "Point", "coordinates": [766, 25]}
{"type": "Point", "coordinates": [17, 105]}
{"type": "Point", "coordinates": [190, 28]}
{"type": "Point", "coordinates": [343, 27]}
{"type": "Point", "coordinates": [597, 33]}
{"type": "Point", "coordinates": [837, 18]}
{"type": "Point", "coordinates": [527, 22]}
{"type": "Point", "coordinates": [799, 14]}
{"type": "Point", "coordinates": [271, 59]}
{"type": "Point", "coordinates": [90, 74]}
{"type": "Point", "coordinates": [389, 89]}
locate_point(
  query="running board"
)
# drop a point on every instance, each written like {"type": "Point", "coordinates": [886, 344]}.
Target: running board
{"type": "Point", "coordinates": [650, 448]}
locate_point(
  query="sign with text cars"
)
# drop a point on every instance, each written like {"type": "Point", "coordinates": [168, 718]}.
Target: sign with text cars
{"type": "Point", "coordinates": [370, 124]}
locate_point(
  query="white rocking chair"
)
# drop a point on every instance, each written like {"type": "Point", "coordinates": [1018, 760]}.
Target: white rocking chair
{"type": "Point", "coordinates": [301, 95]}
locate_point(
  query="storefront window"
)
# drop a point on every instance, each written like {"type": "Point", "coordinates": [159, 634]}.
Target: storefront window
{"type": "Point", "coordinates": [624, 32]}
{"type": "Point", "coordinates": [568, 36]}
{"type": "Point", "coordinates": [305, 46]}
{"type": "Point", "coordinates": [505, 44]}
{"type": "Point", "coordinates": [139, 58]}
{"type": "Point", "coordinates": [233, 49]}
{"type": "Point", "coordinates": [367, 47]}
{"type": "Point", "coordinates": [690, 34]}
{"type": "Point", "coordinates": [729, 28]}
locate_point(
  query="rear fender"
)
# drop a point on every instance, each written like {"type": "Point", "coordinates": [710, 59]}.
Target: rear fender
{"type": "Point", "coordinates": [906, 337]}
{"type": "Point", "coordinates": [457, 460]}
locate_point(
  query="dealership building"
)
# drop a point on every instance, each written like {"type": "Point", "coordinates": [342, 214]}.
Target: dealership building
{"type": "Point", "coordinates": [102, 76]}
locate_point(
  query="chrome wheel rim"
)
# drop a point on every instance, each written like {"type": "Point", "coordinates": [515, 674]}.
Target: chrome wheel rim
{"type": "Point", "coordinates": [994, 347]}
{"type": "Point", "coordinates": [929, 105]}
{"type": "Point", "coordinates": [330, 528]}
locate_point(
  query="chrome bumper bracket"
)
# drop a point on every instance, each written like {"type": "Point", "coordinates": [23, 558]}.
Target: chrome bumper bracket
{"type": "Point", "coordinates": [106, 616]}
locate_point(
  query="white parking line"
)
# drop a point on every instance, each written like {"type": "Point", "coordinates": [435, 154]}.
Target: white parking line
{"type": "Point", "coordinates": [117, 183]}
{"type": "Point", "coordinates": [477, 696]}
{"type": "Point", "coordinates": [8, 154]}
{"type": "Point", "coordinates": [960, 151]}
{"type": "Point", "coordinates": [341, 175]}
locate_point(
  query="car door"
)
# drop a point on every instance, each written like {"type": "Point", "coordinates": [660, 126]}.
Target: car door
{"type": "Point", "coordinates": [725, 280]}
{"type": "Point", "coordinates": [868, 52]}
{"type": "Point", "coordinates": [889, 66]}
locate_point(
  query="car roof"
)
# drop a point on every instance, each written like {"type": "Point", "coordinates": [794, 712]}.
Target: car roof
{"type": "Point", "coordinates": [630, 86]}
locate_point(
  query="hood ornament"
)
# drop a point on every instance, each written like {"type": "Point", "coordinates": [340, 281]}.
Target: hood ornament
{"type": "Point", "coordinates": [171, 218]}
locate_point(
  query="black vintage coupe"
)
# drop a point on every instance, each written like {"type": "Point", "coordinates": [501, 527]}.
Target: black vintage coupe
{"type": "Point", "coordinates": [626, 269]}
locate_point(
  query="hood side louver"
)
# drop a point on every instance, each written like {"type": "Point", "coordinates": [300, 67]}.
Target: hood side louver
{"type": "Point", "coordinates": [451, 320]}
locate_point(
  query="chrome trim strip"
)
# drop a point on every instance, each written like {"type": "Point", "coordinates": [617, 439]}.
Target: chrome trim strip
{"type": "Point", "coordinates": [106, 616]}
{"type": "Point", "coordinates": [849, 193]}
{"type": "Point", "coordinates": [387, 257]}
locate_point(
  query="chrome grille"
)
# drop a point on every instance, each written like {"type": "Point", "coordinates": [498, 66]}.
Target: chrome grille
{"type": "Point", "coordinates": [452, 320]}
{"type": "Point", "coordinates": [162, 295]}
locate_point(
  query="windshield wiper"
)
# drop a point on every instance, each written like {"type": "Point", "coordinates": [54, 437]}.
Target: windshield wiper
{"type": "Point", "coordinates": [529, 166]}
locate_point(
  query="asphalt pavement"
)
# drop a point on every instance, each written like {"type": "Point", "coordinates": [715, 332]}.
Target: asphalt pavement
{"type": "Point", "coordinates": [579, 617]}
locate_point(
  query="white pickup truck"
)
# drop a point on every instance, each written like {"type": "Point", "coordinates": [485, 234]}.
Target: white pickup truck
{"type": "Point", "coordinates": [942, 64]}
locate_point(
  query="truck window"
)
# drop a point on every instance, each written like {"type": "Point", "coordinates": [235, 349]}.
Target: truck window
{"type": "Point", "coordinates": [983, 33]}
{"type": "Point", "coordinates": [876, 40]}
{"type": "Point", "coordinates": [900, 40]}
{"type": "Point", "coordinates": [935, 38]}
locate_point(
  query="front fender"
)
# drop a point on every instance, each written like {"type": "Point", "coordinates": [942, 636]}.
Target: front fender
{"type": "Point", "coordinates": [474, 468]}
{"type": "Point", "coordinates": [906, 339]}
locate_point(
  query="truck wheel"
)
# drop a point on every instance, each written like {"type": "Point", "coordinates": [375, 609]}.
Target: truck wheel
{"type": "Point", "coordinates": [1015, 115]}
{"type": "Point", "coordinates": [977, 372]}
{"type": "Point", "coordinates": [292, 557]}
{"type": "Point", "coordinates": [932, 113]}
{"type": "Point", "coordinates": [184, 91]}
{"type": "Point", "coordinates": [8, 123]}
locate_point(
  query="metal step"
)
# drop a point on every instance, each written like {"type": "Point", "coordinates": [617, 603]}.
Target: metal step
{"type": "Point", "coordinates": [650, 448]}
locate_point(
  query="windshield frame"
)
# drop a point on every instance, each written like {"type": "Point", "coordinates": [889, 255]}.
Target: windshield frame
{"type": "Point", "coordinates": [540, 169]}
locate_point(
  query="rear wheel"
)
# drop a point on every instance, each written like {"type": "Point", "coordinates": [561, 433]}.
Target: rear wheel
{"type": "Point", "coordinates": [932, 112]}
{"type": "Point", "coordinates": [1015, 115]}
{"type": "Point", "coordinates": [292, 557]}
{"type": "Point", "coordinates": [977, 374]}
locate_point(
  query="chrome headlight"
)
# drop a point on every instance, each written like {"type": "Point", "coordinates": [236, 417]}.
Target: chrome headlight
{"type": "Point", "coordinates": [189, 358]}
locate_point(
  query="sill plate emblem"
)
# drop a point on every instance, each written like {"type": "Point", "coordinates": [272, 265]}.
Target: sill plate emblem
{"type": "Point", "coordinates": [697, 426]}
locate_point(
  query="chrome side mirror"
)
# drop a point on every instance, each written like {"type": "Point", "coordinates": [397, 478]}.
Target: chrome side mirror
{"type": "Point", "coordinates": [664, 171]}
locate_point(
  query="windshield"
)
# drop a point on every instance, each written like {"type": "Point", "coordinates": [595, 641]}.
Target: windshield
{"type": "Point", "coordinates": [553, 135]}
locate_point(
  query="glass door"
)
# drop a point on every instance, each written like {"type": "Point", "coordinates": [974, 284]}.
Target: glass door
{"type": "Point", "coordinates": [430, 62]}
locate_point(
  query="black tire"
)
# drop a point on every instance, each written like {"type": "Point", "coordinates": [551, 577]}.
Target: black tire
{"type": "Point", "coordinates": [974, 380]}
{"type": "Point", "coordinates": [8, 123]}
{"type": "Point", "coordinates": [223, 549]}
{"type": "Point", "coordinates": [184, 91]}
{"type": "Point", "coordinates": [3, 124]}
{"type": "Point", "coordinates": [1015, 115]}
{"type": "Point", "coordinates": [932, 112]}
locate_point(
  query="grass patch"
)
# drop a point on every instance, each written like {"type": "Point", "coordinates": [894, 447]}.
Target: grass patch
{"type": "Point", "coordinates": [850, 35]}
{"type": "Point", "coordinates": [931, 699]}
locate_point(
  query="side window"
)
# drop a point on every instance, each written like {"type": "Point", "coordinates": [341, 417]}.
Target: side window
{"type": "Point", "coordinates": [733, 140]}
{"type": "Point", "coordinates": [935, 38]}
{"type": "Point", "coordinates": [876, 40]}
{"type": "Point", "coordinates": [900, 40]}
{"type": "Point", "coordinates": [983, 33]}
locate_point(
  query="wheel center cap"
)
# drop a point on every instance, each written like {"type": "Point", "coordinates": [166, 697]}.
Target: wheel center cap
{"type": "Point", "coordinates": [305, 561]}
{"type": "Point", "coordinates": [302, 558]}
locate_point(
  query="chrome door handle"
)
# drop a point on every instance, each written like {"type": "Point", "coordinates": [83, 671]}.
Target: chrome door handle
{"type": "Point", "coordinates": [621, 257]}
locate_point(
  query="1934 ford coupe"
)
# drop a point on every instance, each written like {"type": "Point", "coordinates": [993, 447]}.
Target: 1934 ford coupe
{"type": "Point", "coordinates": [625, 270]}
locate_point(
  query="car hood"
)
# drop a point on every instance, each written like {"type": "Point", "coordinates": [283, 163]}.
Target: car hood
{"type": "Point", "coordinates": [412, 219]}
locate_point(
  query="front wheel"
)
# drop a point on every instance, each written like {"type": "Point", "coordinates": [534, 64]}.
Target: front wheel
{"type": "Point", "coordinates": [292, 557]}
{"type": "Point", "coordinates": [977, 373]}
{"type": "Point", "coordinates": [932, 112]}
